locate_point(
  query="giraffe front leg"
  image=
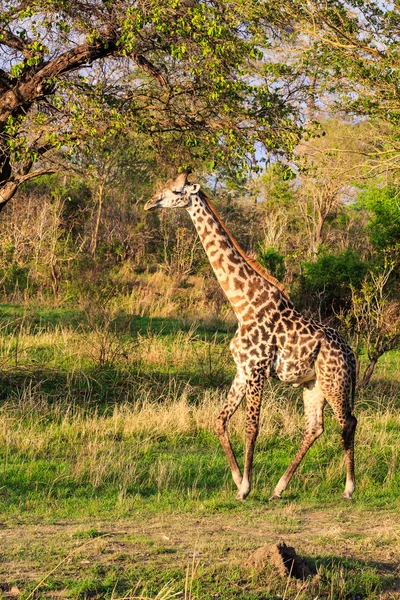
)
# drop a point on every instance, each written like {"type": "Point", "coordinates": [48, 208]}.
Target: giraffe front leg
{"type": "Point", "coordinates": [254, 389]}
{"type": "Point", "coordinates": [235, 397]}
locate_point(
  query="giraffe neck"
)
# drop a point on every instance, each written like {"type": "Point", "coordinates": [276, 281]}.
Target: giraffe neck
{"type": "Point", "coordinates": [241, 278]}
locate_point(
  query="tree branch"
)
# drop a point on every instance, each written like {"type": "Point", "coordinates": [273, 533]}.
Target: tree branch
{"type": "Point", "coordinates": [26, 92]}
{"type": "Point", "coordinates": [8, 190]}
{"type": "Point", "coordinates": [8, 38]}
{"type": "Point", "coordinates": [147, 66]}
{"type": "Point", "coordinates": [37, 173]}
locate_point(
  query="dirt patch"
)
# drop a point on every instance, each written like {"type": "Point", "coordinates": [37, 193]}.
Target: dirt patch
{"type": "Point", "coordinates": [168, 541]}
{"type": "Point", "coordinates": [284, 559]}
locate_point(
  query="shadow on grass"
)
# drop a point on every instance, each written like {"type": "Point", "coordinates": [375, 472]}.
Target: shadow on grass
{"type": "Point", "coordinates": [110, 384]}
{"type": "Point", "coordinates": [358, 578]}
{"type": "Point", "coordinates": [103, 388]}
{"type": "Point", "coordinates": [43, 319]}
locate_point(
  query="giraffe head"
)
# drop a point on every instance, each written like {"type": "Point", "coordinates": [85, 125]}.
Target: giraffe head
{"type": "Point", "coordinates": [175, 194]}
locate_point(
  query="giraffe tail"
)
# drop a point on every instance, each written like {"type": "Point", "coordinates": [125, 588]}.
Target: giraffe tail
{"type": "Point", "coordinates": [354, 376]}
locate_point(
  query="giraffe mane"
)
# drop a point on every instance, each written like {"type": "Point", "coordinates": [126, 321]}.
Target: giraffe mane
{"type": "Point", "coordinates": [250, 261]}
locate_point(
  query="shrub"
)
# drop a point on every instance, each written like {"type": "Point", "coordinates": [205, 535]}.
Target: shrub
{"type": "Point", "coordinates": [272, 260]}
{"type": "Point", "coordinates": [328, 280]}
{"type": "Point", "coordinates": [384, 207]}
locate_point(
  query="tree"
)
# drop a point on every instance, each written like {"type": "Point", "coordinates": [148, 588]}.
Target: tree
{"type": "Point", "coordinates": [374, 318]}
{"type": "Point", "coordinates": [118, 174]}
{"type": "Point", "coordinates": [349, 49]}
{"type": "Point", "coordinates": [184, 69]}
{"type": "Point", "coordinates": [272, 191]}
{"type": "Point", "coordinates": [383, 204]}
{"type": "Point", "coordinates": [330, 165]}
{"type": "Point", "coordinates": [117, 171]}
{"type": "Point", "coordinates": [329, 280]}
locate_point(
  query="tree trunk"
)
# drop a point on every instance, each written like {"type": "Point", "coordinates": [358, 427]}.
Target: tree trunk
{"type": "Point", "coordinates": [318, 235]}
{"type": "Point", "coordinates": [7, 191]}
{"type": "Point", "coordinates": [98, 219]}
{"type": "Point", "coordinates": [369, 371]}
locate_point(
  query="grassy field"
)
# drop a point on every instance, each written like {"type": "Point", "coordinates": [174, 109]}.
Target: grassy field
{"type": "Point", "coordinates": [113, 483]}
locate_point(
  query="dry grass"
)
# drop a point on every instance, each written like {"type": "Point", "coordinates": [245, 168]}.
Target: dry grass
{"type": "Point", "coordinates": [109, 448]}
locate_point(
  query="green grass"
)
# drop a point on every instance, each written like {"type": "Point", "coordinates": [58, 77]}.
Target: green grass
{"type": "Point", "coordinates": [108, 418]}
{"type": "Point", "coordinates": [231, 583]}
{"type": "Point", "coordinates": [61, 467]}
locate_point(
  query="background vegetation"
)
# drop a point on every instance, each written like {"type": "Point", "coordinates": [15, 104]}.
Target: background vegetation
{"type": "Point", "coordinates": [114, 332]}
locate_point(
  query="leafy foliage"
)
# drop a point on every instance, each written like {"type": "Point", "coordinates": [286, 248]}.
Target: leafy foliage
{"type": "Point", "coordinates": [374, 317]}
{"type": "Point", "coordinates": [273, 261]}
{"type": "Point", "coordinates": [349, 50]}
{"type": "Point", "coordinates": [384, 227]}
{"type": "Point", "coordinates": [332, 275]}
{"type": "Point", "coordinates": [185, 74]}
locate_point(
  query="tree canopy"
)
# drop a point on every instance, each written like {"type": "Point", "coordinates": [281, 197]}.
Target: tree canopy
{"type": "Point", "coordinates": [186, 70]}
{"type": "Point", "coordinates": [349, 51]}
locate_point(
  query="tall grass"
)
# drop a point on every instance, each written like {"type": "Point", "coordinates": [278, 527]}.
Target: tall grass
{"type": "Point", "coordinates": [117, 409]}
{"type": "Point", "coordinates": [150, 448]}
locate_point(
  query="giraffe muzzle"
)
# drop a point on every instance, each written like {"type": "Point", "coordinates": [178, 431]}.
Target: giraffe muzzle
{"type": "Point", "coordinates": [151, 204]}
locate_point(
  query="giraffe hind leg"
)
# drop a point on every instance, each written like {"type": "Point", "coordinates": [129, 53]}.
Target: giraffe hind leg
{"type": "Point", "coordinates": [314, 403]}
{"type": "Point", "coordinates": [339, 393]}
{"type": "Point", "coordinates": [348, 423]}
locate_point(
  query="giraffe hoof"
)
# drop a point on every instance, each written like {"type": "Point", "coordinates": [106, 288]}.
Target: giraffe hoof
{"type": "Point", "coordinates": [274, 497]}
{"type": "Point", "coordinates": [347, 497]}
{"type": "Point", "coordinates": [240, 497]}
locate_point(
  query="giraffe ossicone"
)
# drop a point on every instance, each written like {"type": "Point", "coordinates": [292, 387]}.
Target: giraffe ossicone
{"type": "Point", "coordinates": [272, 340]}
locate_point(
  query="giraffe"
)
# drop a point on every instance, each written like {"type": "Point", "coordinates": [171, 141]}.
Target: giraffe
{"type": "Point", "coordinates": [272, 340]}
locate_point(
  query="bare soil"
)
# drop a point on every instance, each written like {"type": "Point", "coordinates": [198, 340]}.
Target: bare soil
{"type": "Point", "coordinates": [29, 553]}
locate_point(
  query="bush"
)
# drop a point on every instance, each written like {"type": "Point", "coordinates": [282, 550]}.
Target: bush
{"type": "Point", "coordinates": [384, 225]}
{"type": "Point", "coordinates": [272, 260]}
{"type": "Point", "coordinates": [327, 281]}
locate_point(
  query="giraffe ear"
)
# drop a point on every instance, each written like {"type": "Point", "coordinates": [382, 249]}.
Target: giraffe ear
{"type": "Point", "coordinates": [179, 183]}
{"type": "Point", "coordinates": [193, 189]}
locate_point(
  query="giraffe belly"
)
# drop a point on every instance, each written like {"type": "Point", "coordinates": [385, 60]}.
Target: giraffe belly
{"type": "Point", "coordinates": [293, 372]}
